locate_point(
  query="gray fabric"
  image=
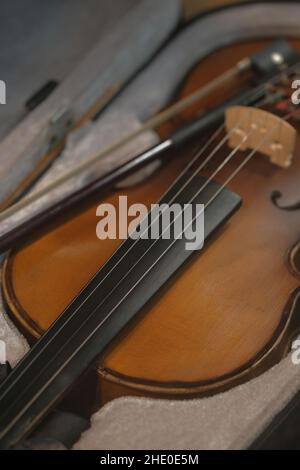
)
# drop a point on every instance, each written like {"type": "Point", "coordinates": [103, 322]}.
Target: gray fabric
{"type": "Point", "coordinates": [226, 421]}
{"type": "Point", "coordinates": [15, 344]}
{"type": "Point", "coordinates": [42, 40]}
{"type": "Point", "coordinates": [119, 54]}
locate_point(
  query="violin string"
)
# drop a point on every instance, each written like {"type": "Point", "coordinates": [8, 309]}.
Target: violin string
{"type": "Point", "coordinates": [220, 167]}
{"type": "Point", "coordinates": [48, 332]}
{"type": "Point", "coordinates": [185, 170]}
{"type": "Point", "coordinates": [217, 132]}
{"type": "Point", "coordinates": [74, 353]}
{"type": "Point", "coordinates": [222, 187]}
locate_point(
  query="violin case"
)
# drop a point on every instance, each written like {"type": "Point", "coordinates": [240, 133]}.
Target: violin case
{"type": "Point", "coordinates": [93, 38]}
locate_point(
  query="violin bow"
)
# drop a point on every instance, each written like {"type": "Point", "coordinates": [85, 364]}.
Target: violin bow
{"type": "Point", "coordinates": [271, 59]}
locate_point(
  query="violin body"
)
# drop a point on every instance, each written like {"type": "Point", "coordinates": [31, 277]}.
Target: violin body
{"type": "Point", "coordinates": [228, 315]}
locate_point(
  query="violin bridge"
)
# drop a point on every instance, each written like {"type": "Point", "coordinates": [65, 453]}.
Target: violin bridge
{"type": "Point", "coordinates": [257, 129]}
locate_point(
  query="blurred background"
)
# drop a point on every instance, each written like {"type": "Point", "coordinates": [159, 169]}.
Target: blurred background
{"type": "Point", "coordinates": [45, 40]}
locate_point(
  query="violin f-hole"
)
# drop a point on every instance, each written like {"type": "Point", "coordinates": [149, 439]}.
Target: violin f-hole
{"type": "Point", "coordinates": [276, 196]}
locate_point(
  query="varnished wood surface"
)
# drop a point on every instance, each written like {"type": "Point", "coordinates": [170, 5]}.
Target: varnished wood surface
{"type": "Point", "coordinates": [217, 316]}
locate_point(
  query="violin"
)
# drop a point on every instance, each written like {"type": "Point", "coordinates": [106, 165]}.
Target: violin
{"type": "Point", "coordinates": [188, 326]}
